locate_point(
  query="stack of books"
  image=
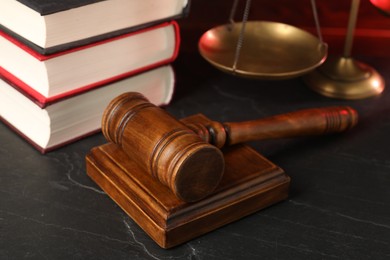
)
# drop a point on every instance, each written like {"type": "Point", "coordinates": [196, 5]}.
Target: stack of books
{"type": "Point", "coordinates": [62, 62]}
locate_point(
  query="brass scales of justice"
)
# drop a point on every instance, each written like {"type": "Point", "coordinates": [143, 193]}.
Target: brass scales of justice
{"type": "Point", "coordinates": [263, 49]}
{"type": "Point", "coordinates": [179, 179]}
{"type": "Point", "coordinates": [277, 51]}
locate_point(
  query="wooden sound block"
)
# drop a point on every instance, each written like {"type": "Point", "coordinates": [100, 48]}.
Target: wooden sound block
{"type": "Point", "coordinates": [250, 183]}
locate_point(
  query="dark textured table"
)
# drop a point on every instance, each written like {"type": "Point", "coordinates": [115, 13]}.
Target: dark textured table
{"type": "Point", "coordinates": [338, 208]}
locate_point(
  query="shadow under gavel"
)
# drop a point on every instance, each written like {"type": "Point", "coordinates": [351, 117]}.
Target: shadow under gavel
{"type": "Point", "coordinates": [187, 158]}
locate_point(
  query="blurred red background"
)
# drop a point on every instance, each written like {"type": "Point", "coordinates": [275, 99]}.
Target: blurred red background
{"type": "Point", "coordinates": [371, 37]}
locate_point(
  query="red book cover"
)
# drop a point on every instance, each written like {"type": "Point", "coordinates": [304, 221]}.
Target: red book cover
{"type": "Point", "coordinates": [45, 129]}
{"type": "Point", "coordinates": [43, 101]}
{"type": "Point", "coordinates": [38, 23]}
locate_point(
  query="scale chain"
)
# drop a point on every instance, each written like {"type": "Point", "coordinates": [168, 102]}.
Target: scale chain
{"type": "Point", "coordinates": [241, 36]}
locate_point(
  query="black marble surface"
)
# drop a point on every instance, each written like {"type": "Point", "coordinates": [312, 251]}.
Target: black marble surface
{"type": "Point", "coordinates": [338, 208]}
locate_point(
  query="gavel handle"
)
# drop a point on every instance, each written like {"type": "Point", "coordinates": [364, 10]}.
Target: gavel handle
{"type": "Point", "coordinates": [317, 121]}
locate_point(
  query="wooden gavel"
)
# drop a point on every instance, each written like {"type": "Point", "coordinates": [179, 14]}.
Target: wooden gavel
{"type": "Point", "coordinates": [187, 158]}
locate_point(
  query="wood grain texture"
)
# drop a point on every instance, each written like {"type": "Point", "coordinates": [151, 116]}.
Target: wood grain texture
{"type": "Point", "coordinates": [163, 147]}
{"type": "Point", "coordinates": [306, 122]}
{"type": "Point", "coordinates": [185, 156]}
{"type": "Point", "coordinates": [249, 183]}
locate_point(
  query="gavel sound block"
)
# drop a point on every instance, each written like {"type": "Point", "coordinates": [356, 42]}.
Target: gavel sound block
{"type": "Point", "coordinates": [173, 180]}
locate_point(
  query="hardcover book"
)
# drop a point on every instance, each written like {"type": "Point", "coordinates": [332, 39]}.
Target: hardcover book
{"type": "Point", "coordinates": [56, 25]}
{"type": "Point", "coordinates": [51, 77]}
{"type": "Point", "coordinates": [49, 126]}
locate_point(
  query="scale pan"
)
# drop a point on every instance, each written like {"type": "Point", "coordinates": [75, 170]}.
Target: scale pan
{"type": "Point", "coordinates": [270, 50]}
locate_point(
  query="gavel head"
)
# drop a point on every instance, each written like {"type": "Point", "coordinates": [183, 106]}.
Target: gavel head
{"type": "Point", "coordinates": [163, 146]}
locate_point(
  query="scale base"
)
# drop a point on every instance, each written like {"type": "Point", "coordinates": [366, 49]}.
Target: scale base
{"type": "Point", "coordinates": [345, 78]}
{"type": "Point", "coordinates": [250, 183]}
